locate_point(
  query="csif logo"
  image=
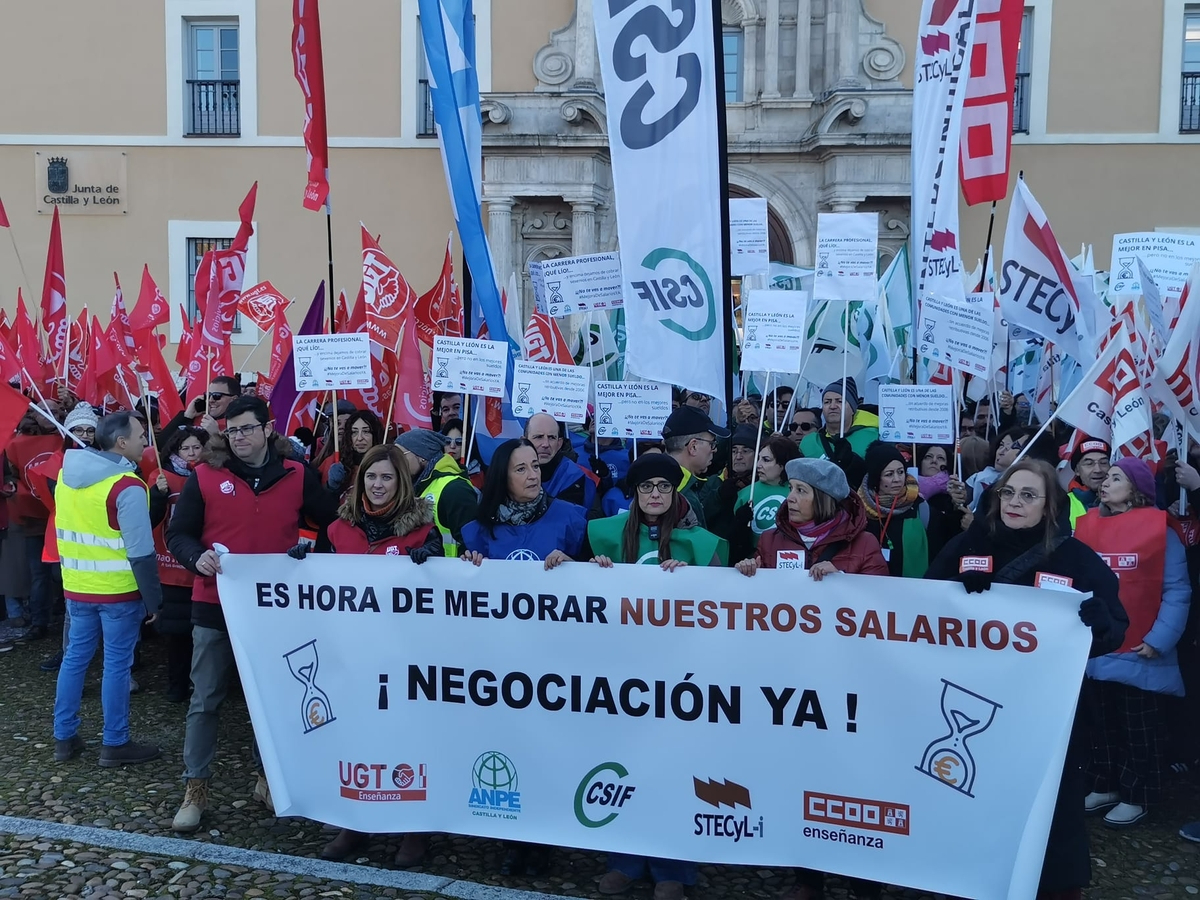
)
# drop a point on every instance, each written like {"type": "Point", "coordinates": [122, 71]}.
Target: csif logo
{"type": "Point", "coordinates": [681, 292]}
{"type": "Point", "coordinates": [602, 794]}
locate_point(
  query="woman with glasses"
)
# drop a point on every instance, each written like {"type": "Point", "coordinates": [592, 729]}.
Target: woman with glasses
{"type": "Point", "coordinates": [659, 529]}
{"type": "Point", "coordinates": [1005, 449]}
{"type": "Point", "coordinates": [944, 494]}
{"type": "Point", "coordinates": [770, 490]}
{"type": "Point", "coordinates": [455, 434]}
{"type": "Point", "coordinates": [1024, 535]}
{"type": "Point", "coordinates": [361, 430]}
{"type": "Point", "coordinates": [1129, 737]}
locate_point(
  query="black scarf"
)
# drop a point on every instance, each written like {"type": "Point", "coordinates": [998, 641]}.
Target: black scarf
{"type": "Point", "coordinates": [1015, 552]}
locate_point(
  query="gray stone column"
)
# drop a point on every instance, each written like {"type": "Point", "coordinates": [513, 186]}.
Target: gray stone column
{"type": "Point", "coordinates": [749, 60]}
{"type": "Point", "coordinates": [841, 44]}
{"type": "Point", "coordinates": [583, 227]}
{"type": "Point", "coordinates": [771, 52]}
{"type": "Point", "coordinates": [587, 73]}
{"type": "Point", "coordinates": [803, 89]}
{"type": "Point", "coordinates": [500, 236]}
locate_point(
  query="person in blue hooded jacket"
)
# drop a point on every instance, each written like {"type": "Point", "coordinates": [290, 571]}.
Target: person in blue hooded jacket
{"type": "Point", "coordinates": [518, 518]}
{"type": "Point", "coordinates": [562, 477]}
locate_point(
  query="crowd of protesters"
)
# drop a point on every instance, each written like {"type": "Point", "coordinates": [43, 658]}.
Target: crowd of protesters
{"type": "Point", "coordinates": [115, 523]}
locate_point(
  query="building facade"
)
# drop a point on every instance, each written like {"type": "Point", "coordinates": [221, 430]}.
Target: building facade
{"type": "Point", "coordinates": [146, 123]}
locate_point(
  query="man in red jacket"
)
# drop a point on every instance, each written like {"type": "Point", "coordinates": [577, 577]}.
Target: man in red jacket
{"type": "Point", "coordinates": [250, 499]}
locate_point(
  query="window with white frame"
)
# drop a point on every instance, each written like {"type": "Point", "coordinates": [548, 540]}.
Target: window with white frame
{"type": "Point", "coordinates": [1189, 95]}
{"type": "Point", "coordinates": [1020, 124]}
{"type": "Point", "coordinates": [425, 125]}
{"type": "Point", "coordinates": [213, 78]}
{"type": "Point", "coordinates": [196, 248]}
{"type": "Point", "coordinates": [731, 50]}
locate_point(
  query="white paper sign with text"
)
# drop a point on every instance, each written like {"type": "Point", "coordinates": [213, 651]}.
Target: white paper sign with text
{"type": "Point", "coordinates": [632, 409]}
{"type": "Point", "coordinates": [1168, 257]}
{"type": "Point", "coordinates": [577, 284]}
{"type": "Point", "coordinates": [847, 244]}
{"type": "Point", "coordinates": [332, 361]}
{"type": "Point", "coordinates": [749, 249]}
{"type": "Point", "coordinates": [469, 365]}
{"type": "Point", "coordinates": [773, 331]}
{"type": "Point", "coordinates": [958, 334]}
{"type": "Point", "coordinates": [916, 413]}
{"type": "Point", "coordinates": [559, 391]}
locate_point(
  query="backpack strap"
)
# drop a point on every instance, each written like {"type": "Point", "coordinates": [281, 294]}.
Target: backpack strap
{"type": "Point", "coordinates": [831, 550]}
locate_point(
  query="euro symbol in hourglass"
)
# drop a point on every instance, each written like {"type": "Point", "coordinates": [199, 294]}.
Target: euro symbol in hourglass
{"type": "Point", "coordinates": [947, 759]}
{"type": "Point", "coordinates": [315, 710]}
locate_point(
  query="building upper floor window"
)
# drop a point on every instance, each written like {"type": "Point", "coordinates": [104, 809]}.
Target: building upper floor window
{"type": "Point", "coordinates": [196, 248]}
{"type": "Point", "coordinates": [1189, 95]}
{"type": "Point", "coordinates": [214, 79]}
{"type": "Point", "coordinates": [1024, 65]}
{"type": "Point", "coordinates": [425, 124]}
{"type": "Point", "coordinates": [731, 46]}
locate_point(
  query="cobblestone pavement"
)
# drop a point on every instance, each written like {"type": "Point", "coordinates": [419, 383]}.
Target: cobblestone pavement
{"type": "Point", "coordinates": [1150, 862]}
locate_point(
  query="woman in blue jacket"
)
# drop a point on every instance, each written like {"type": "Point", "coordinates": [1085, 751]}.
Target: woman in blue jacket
{"type": "Point", "coordinates": [517, 519]}
{"type": "Point", "coordinates": [1129, 736]}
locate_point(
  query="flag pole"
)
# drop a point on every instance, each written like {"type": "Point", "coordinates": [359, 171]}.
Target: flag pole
{"type": "Point", "coordinates": [845, 363]}
{"type": "Point", "coordinates": [718, 29]}
{"type": "Point", "coordinates": [329, 250]}
{"type": "Point", "coordinates": [757, 447]}
{"type": "Point", "coordinates": [474, 426]}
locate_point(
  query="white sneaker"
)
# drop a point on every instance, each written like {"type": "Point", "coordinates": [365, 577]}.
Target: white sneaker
{"type": "Point", "coordinates": [1097, 802]}
{"type": "Point", "coordinates": [1123, 815]}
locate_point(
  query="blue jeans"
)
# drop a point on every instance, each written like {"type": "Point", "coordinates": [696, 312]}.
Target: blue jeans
{"type": "Point", "coordinates": [120, 623]}
{"type": "Point", "coordinates": [660, 869]}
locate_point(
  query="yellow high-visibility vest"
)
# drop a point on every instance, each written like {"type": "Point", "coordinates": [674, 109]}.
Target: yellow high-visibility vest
{"type": "Point", "coordinates": [93, 554]}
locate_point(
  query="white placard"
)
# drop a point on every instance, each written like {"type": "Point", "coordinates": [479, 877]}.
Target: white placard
{"type": "Point", "coordinates": [575, 284]}
{"type": "Point", "coordinates": [957, 334]}
{"type": "Point", "coordinates": [916, 413]}
{"type": "Point", "coordinates": [469, 366]}
{"type": "Point", "coordinates": [773, 331]}
{"type": "Point", "coordinates": [557, 390]}
{"type": "Point", "coordinates": [847, 244]}
{"type": "Point", "coordinates": [332, 361]}
{"type": "Point", "coordinates": [749, 249]}
{"type": "Point", "coordinates": [1169, 257]}
{"type": "Point", "coordinates": [632, 409]}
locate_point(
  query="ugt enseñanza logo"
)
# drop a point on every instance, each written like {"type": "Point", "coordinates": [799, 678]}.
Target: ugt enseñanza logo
{"type": "Point", "coordinates": [494, 787]}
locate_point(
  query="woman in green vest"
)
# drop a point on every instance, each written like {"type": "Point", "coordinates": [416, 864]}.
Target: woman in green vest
{"type": "Point", "coordinates": [659, 528]}
{"type": "Point", "coordinates": [895, 513]}
{"type": "Point", "coordinates": [770, 491]}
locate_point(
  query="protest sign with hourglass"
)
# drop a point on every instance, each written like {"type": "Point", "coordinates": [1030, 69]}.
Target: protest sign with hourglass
{"type": "Point", "coordinates": [947, 759]}
{"type": "Point", "coordinates": [315, 710]}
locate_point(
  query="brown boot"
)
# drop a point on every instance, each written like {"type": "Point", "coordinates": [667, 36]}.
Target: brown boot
{"type": "Point", "coordinates": [412, 850]}
{"type": "Point", "coordinates": [615, 882]}
{"type": "Point", "coordinates": [346, 843]}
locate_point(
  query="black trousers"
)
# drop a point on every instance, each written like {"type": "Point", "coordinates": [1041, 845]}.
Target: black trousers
{"type": "Point", "coordinates": [1128, 741]}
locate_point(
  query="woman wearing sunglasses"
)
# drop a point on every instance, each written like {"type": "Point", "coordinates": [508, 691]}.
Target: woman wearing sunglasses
{"type": "Point", "coordinates": [1024, 536]}
{"type": "Point", "coordinates": [452, 430]}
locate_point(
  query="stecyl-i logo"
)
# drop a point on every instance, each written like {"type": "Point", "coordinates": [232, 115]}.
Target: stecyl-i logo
{"type": "Point", "coordinates": [494, 787]}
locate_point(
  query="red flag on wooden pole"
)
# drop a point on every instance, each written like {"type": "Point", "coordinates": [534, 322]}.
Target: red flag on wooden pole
{"type": "Point", "coordinates": [310, 74]}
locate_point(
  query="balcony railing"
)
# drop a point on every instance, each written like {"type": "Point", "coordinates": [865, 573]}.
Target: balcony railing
{"type": "Point", "coordinates": [1189, 104]}
{"type": "Point", "coordinates": [215, 109]}
{"type": "Point", "coordinates": [1021, 104]}
{"type": "Point", "coordinates": [425, 125]}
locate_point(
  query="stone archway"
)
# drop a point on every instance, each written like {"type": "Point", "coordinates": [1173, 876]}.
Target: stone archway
{"type": "Point", "coordinates": [782, 245]}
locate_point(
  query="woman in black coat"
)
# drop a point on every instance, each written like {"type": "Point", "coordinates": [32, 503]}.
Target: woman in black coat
{"type": "Point", "coordinates": [1025, 531]}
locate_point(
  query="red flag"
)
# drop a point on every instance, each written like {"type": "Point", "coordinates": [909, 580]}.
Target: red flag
{"type": "Point", "coordinates": [6, 330]}
{"type": "Point", "coordinates": [120, 323]}
{"type": "Point", "coordinates": [10, 366]}
{"type": "Point", "coordinates": [151, 308]}
{"type": "Point", "coordinates": [79, 343]}
{"type": "Point", "coordinates": [95, 381]}
{"type": "Point", "coordinates": [341, 315]}
{"type": "Point", "coordinates": [378, 397]}
{"type": "Point", "coordinates": [258, 304]}
{"type": "Point", "coordinates": [358, 316]}
{"type": "Point", "coordinates": [3, 216]}
{"type": "Point", "coordinates": [196, 365]}
{"type": "Point", "coordinates": [228, 269]}
{"type": "Point", "coordinates": [493, 407]}
{"type": "Point", "coordinates": [281, 343]}
{"type": "Point", "coordinates": [985, 143]}
{"type": "Point", "coordinates": [310, 74]}
{"type": "Point", "coordinates": [411, 405]}
{"type": "Point", "coordinates": [183, 353]}
{"type": "Point", "coordinates": [387, 295]}
{"type": "Point", "coordinates": [241, 240]}
{"type": "Point", "coordinates": [54, 297]}
{"type": "Point", "coordinates": [545, 343]}
{"type": "Point", "coordinates": [13, 405]}
{"type": "Point", "coordinates": [29, 348]}
{"type": "Point", "coordinates": [159, 379]}
{"type": "Point", "coordinates": [439, 311]}
{"type": "Point", "coordinates": [264, 387]}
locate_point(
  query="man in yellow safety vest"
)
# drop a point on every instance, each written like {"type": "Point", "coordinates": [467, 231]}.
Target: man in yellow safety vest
{"type": "Point", "coordinates": [439, 478]}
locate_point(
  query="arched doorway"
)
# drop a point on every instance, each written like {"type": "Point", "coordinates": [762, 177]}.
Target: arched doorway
{"type": "Point", "coordinates": [779, 242]}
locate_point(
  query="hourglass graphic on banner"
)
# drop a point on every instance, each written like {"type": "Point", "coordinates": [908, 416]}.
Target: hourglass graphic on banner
{"type": "Point", "coordinates": [315, 710]}
{"type": "Point", "coordinates": [948, 759]}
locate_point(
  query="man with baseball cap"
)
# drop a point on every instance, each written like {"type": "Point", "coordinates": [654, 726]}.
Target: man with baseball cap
{"type": "Point", "coordinates": [690, 436]}
{"type": "Point", "coordinates": [841, 441]}
{"type": "Point", "coordinates": [439, 478]}
{"type": "Point", "coordinates": [1089, 461]}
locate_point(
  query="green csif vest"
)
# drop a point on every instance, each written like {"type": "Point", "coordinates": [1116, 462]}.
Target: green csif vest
{"type": "Point", "coordinates": [694, 546]}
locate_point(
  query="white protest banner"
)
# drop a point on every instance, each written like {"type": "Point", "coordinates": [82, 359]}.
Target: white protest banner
{"type": "Point", "coordinates": [957, 333]}
{"type": "Point", "coordinates": [492, 700]}
{"type": "Point", "coordinates": [749, 251]}
{"type": "Point", "coordinates": [666, 167]}
{"type": "Point", "coordinates": [577, 284]}
{"type": "Point", "coordinates": [847, 244]}
{"type": "Point", "coordinates": [1168, 257]}
{"type": "Point", "coordinates": [632, 409]}
{"type": "Point", "coordinates": [341, 362]}
{"type": "Point", "coordinates": [773, 331]}
{"type": "Point", "coordinates": [469, 366]}
{"type": "Point", "coordinates": [560, 391]}
{"type": "Point", "coordinates": [916, 413]}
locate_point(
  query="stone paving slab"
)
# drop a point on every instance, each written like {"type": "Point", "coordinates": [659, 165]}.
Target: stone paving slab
{"type": "Point", "coordinates": [1148, 862]}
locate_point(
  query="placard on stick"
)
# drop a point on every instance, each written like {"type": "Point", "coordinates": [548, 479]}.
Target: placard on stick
{"type": "Point", "coordinates": [632, 409]}
{"type": "Point", "coordinates": [340, 362]}
{"type": "Point", "coordinates": [773, 331]}
{"type": "Point", "coordinates": [557, 390]}
{"type": "Point", "coordinates": [469, 365]}
{"type": "Point", "coordinates": [957, 334]}
{"type": "Point", "coordinates": [847, 244]}
{"type": "Point", "coordinates": [749, 247]}
{"type": "Point", "coordinates": [916, 413]}
{"type": "Point", "coordinates": [577, 284]}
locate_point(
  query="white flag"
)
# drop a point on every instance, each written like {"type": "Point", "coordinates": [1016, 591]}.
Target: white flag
{"type": "Point", "coordinates": [1175, 379]}
{"type": "Point", "coordinates": [1090, 406]}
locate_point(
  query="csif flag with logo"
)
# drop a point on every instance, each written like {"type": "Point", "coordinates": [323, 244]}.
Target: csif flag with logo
{"type": "Point", "coordinates": [661, 97]}
{"type": "Point", "coordinates": [944, 41]}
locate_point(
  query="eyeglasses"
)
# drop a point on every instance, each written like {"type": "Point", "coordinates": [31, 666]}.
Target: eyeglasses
{"type": "Point", "coordinates": [706, 441]}
{"type": "Point", "coordinates": [802, 426]}
{"type": "Point", "coordinates": [1026, 497]}
{"type": "Point", "coordinates": [242, 430]}
{"type": "Point", "coordinates": [650, 487]}
{"type": "Point", "coordinates": [81, 431]}
{"type": "Point", "coordinates": [217, 395]}
{"type": "Point", "coordinates": [454, 442]}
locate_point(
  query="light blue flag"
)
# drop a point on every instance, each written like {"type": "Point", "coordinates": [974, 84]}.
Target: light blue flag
{"type": "Point", "coordinates": [448, 32]}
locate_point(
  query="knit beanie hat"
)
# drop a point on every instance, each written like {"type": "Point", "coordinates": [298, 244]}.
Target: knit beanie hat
{"type": "Point", "coordinates": [878, 457]}
{"type": "Point", "coordinates": [81, 416]}
{"type": "Point", "coordinates": [1138, 472]}
{"type": "Point", "coordinates": [849, 398]}
{"type": "Point", "coordinates": [820, 474]}
{"type": "Point", "coordinates": [654, 465]}
{"type": "Point", "coordinates": [744, 436]}
{"type": "Point", "coordinates": [422, 443]}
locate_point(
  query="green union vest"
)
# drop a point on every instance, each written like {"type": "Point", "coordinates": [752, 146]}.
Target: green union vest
{"type": "Point", "coordinates": [767, 500]}
{"type": "Point", "coordinates": [694, 546]}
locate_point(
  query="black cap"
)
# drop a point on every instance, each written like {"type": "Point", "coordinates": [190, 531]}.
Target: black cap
{"type": "Point", "coordinates": [744, 436]}
{"type": "Point", "coordinates": [690, 420]}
